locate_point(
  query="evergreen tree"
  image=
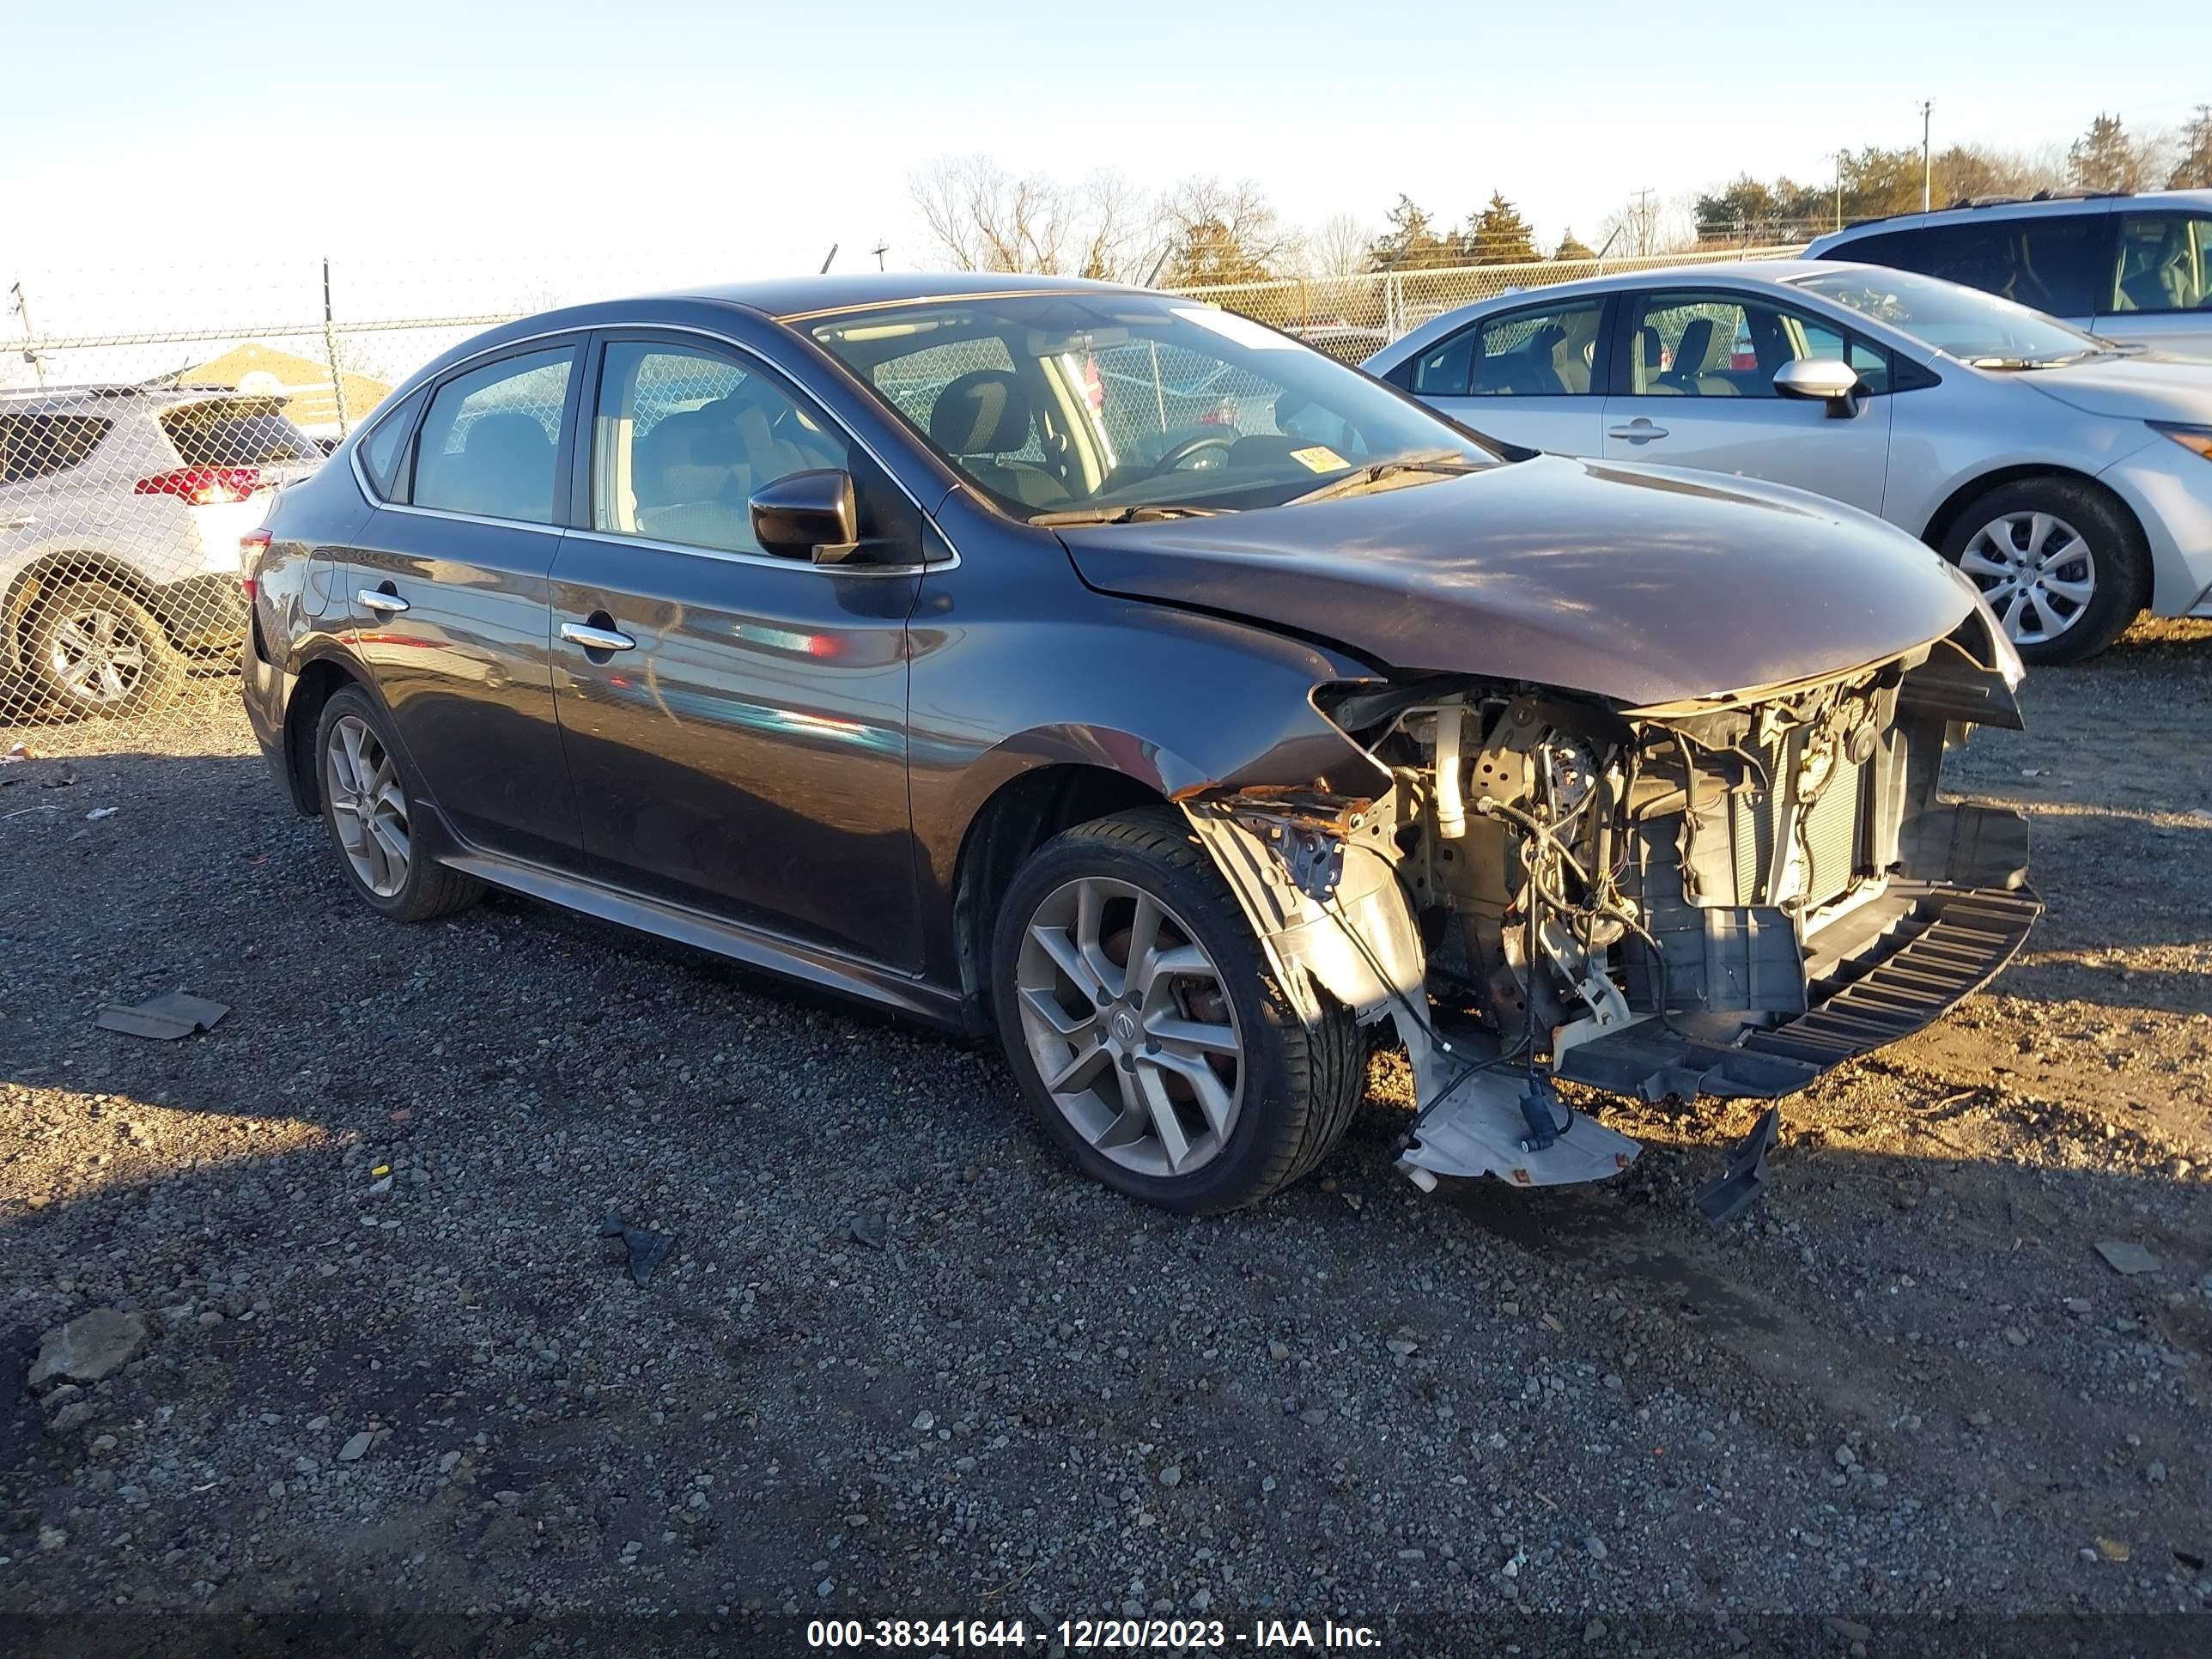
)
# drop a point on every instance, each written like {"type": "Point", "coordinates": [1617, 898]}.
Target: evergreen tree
{"type": "Point", "coordinates": [1500, 235]}
{"type": "Point", "coordinates": [1571, 248]}
{"type": "Point", "coordinates": [2193, 169]}
{"type": "Point", "coordinates": [1410, 243]}
{"type": "Point", "coordinates": [2104, 158]}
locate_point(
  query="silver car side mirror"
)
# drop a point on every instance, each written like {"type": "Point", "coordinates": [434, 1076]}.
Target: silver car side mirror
{"type": "Point", "coordinates": [1824, 380]}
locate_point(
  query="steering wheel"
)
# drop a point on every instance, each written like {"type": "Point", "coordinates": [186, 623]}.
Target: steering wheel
{"type": "Point", "coordinates": [1197, 446]}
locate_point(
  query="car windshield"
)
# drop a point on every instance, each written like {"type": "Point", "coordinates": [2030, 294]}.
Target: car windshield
{"type": "Point", "coordinates": [1073, 407]}
{"type": "Point", "coordinates": [1962, 322]}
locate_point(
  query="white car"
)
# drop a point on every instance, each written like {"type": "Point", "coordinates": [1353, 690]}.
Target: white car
{"type": "Point", "coordinates": [2069, 477]}
{"type": "Point", "coordinates": [2135, 268]}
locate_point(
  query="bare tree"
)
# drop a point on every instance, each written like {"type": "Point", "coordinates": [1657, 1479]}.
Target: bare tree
{"type": "Point", "coordinates": [1223, 234]}
{"type": "Point", "coordinates": [1119, 228]}
{"type": "Point", "coordinates": [1337, 248]}
{"type": "Point", "coordinates": [1631, 230]}
{"type": "Point", "coordinates": [980, 217]}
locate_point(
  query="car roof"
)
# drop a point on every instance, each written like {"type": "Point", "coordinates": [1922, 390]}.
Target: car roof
{"type": "Point", "coordinates": [109, 395]}
{"type": "Point", "coordinates": [2040, 205]}
{"type": "Point", "coordinates": [790, 297]}
{"type": "Point", "coordinates": [1754, 271]}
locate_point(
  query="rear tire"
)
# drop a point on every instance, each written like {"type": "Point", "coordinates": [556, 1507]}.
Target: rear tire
{"type": "Point", "coordinates": [97, 650]}
{"type": "Point", "coordinates": [1272, 1110]}
{"type": "Point", "coordinates": [2061, 562]}
{"type": "Point", "coordinates": [368, 809]}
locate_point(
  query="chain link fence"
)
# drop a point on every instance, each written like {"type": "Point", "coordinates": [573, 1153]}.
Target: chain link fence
{"type": "Point", "coordinates": [133, 460]}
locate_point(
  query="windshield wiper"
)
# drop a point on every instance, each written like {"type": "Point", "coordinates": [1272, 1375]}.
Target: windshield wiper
{"type": "Point", "coordinates": [1374, 473]}
{"type": "Point", "coordinates": [2018, 364]}
{"type": "Point", "coordinates": [1135, 512]}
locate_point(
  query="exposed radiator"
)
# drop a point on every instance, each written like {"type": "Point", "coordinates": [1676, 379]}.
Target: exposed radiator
{"type": "Point", "coordinates": [1828, 839]}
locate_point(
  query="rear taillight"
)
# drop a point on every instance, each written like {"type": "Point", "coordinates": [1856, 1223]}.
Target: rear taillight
{"type": "Point", "coordinates": [203, 486]}
{"type": "Point", "coordinates": [251, 546]}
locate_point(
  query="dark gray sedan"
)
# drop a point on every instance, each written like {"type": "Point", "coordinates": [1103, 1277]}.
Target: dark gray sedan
{"type": "Point", "coordinates": [1112, 672]}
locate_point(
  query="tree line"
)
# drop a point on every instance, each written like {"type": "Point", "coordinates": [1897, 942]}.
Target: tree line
{"type": "Point", "coordinates": [975, 214]}
{"type": "Point", "coordinates": [1877, 181]}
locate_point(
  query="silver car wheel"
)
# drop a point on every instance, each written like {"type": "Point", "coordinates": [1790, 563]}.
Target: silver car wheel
{"type": "Point", "coordinates": [97, 657]}
{"type": "Point", "coordinates": [368, 809]}
{"type": "Point", "coordinates": [2037, 572]}
{"type": "Point", "coordinates": [1130, 1026]}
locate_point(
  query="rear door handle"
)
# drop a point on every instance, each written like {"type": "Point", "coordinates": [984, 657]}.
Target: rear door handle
{"type": "Point", "coordinates": [1637, 431]}
{"type": "Point", "coordinates": [390, 605]}
{"type": "Point", "coordinates": [596, 638]}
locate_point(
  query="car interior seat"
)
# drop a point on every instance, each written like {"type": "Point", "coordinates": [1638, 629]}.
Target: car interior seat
{"type": "Point", "coordinates": [983, 418]}
{"type": "Point", "coordinates": [509, 470]}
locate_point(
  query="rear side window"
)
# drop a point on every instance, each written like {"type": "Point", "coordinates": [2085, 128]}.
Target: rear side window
{"type": "Point", "coordinates": [384, 443]}
{"type": "Point", "coordinates": [41, 446]}
{"type": "Point", "coordinates": [2055, 261]}
{"type": "Point", "coordinates": [236, 432]}
{"type": "Point", "coordinates": [491, 438]}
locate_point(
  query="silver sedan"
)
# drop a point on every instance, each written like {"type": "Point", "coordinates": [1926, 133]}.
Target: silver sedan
{"type": "Point", "coordinates": [2071, 478]}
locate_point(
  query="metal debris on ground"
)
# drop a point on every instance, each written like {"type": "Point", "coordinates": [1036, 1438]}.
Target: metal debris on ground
{"type": "Point", "coordinates": [172, 1015]}
{"type": "Point", "coordinates": [1724, 1198]}
{"type": "Point", "coordinates": [647, 1250]}
{"type": "Point", "coordinates": [2124, 1257]}
{"type": "Point", "coordinates": [100, 812]}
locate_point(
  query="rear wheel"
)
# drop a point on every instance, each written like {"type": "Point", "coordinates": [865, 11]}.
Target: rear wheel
{"type": "Point", "coordinates": [2061, 563]}
{"type": "Point", "coordinates": [1150, 1039]}
{"type": "Point", "coordinates": [368, 808]}
{"type": "Point", "coordinates": [98, 651]}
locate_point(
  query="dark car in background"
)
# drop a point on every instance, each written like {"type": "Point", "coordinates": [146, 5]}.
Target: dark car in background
{"type": "Point", "coordinates": [2134, 269]}
{"type": "Point", "coordinates": [121, 507]}
{"type": "Point", "coordinates": [1115, 674]}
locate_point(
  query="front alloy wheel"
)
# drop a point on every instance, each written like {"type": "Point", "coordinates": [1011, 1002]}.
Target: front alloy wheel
{"type": "Point", "coordinates": [1146, 1029]}
{"type": "Point", "coordinates": [1130, 1027]}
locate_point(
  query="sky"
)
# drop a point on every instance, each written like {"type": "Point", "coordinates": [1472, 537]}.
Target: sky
{"type": "Point", "coordinates": [465, 155]}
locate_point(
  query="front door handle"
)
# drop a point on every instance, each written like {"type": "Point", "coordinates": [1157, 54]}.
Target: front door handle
{"type": "Point", "coordinates": [1637, 431]}
{"type": "Point", "coordinates": [596, 638]}
{"type": "Point", "coordinates": [384, 604]}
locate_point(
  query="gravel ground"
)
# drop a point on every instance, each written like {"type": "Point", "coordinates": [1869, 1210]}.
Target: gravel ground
{"type": "Point", "coordinates": [902, 1362]}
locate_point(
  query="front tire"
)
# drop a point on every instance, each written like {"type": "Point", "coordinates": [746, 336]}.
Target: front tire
{"type": "Point", "coordinates": [1147, 1031]}
{"type": "Point", "coordinates": [369, 810]}
{"type": "Point", "coordinates": [2060, 561]}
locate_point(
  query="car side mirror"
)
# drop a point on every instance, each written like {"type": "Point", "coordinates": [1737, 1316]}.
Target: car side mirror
{"type": "Point", "coordinates": [807, 516]}
{"type": "Point", "coordinates": [1823, 380]}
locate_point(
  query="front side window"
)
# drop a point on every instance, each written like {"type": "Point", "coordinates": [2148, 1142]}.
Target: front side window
{"type": "Point", "coordinates": [1974, 327]}
{"type": "Point", "coordinates": [2164, 263]}
{"type": "Point", "coordinates": [681, 438]}
{"type": "Point", "coordinates": [2046, 262]}
{"type": "Point", "coordinates": [1691, 345]}
{"type": "Point", "coordinates": [491, 439]}
{"type": "Point", "coordinates": [1102, 404]}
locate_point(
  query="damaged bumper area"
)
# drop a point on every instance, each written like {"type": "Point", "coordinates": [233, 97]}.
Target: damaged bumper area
{"type": "Point", "coordinates": [1726, 896]}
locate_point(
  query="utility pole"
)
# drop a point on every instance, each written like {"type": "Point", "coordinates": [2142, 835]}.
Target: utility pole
{"type": "Point", "coordinates": [1839, 189]}
{"type": "Point", "coordinates": [330, 352]}
{"type": "Point", "coordinates": [23, 310]}
{"type": "Point", "coordinates": [881, 248]}
{"type": "Point", "coordinates": [1927, 169]}
{"type": "Point", "coordinates": [827, 258]}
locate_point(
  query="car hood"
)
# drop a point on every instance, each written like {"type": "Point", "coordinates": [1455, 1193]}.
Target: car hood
{"type": "Point", "coordinates": [1644, 584]}
{"type": "Point", "coordinates": [2148, 388]}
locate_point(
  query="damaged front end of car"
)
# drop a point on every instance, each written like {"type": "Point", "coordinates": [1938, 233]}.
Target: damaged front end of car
{"type": "Point", "coordinates": [1723, 895]}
